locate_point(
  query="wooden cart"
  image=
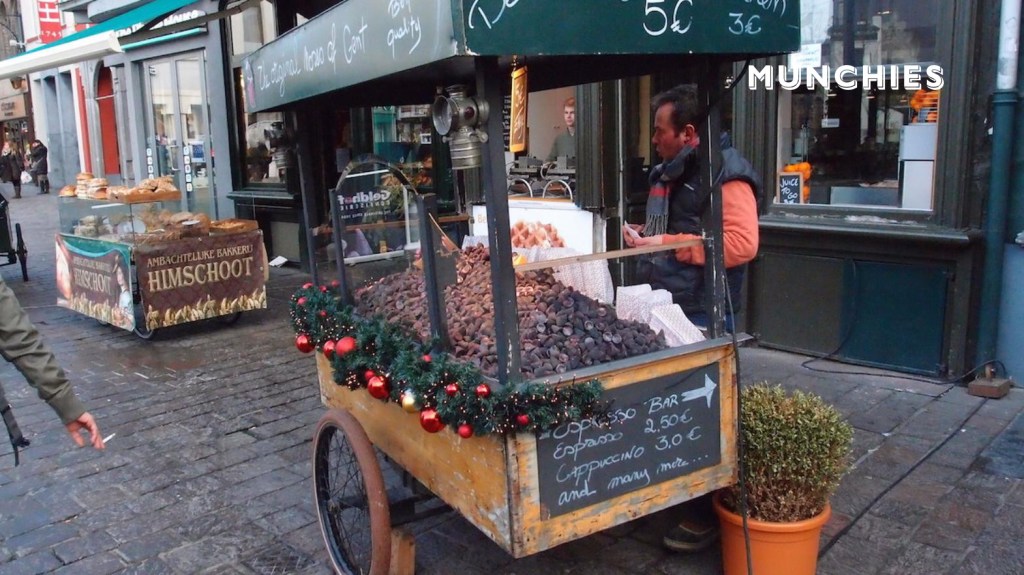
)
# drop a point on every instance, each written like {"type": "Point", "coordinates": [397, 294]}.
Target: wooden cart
{"type": "Point", "coordinates": [508, 486]}
{"type": "Point", "coordinates": [673, 428]}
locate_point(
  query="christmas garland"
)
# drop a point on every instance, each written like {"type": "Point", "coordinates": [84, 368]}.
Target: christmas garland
{"type": "Point", "coordinates": [393, 365]}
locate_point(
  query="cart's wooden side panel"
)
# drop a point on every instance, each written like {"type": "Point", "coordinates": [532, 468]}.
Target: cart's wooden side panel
{"type": "Point", "coordinates": [534, 532]}
{"type": "Point", "coordinates": [468, 474]}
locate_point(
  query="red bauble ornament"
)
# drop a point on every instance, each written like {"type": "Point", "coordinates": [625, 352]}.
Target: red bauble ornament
{"type": "Point", "coordinates": [335, 283]}
{"type": "Point", "coordinates": [301, 301]}
{"type": "Point", "coordinates": [303, 343]}
{"type": "Point", "coordinates": [345, 345]}
{"type": "Point", "coordinates": [378, 388]}
{"type": "Point", "coordinates": [430, 420]}
{"type": "Point", "coordinates": [329, 348]}
{"type": "Point", "coordinates": [307, 285]}
{"type": "Point", "coordinates": [452, 389]}
{"type": "Point", "coordinates": [323, 289]}
{"type": "Point", "coordinates": [426, 357]}
{"type": "Point", "coordinates": [465, 431]}
{"type": "Point", "coordinates": [523, 420]}
{"type": "Point", "coordinates": [323, 313]}
{"type": "Point", "coordinates": [368, 374]}
{"type": "Point", "coordinates": [483, 391]}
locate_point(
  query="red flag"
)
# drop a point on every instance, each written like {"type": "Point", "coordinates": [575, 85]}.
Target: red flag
{"type": "Point", "coordinates": [50, 25]}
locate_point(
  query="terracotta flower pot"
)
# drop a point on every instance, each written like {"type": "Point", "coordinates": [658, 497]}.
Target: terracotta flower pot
{"type": "Point", "coordinates": [776, 548]}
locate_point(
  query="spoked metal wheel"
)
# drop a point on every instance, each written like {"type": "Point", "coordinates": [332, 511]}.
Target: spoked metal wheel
{"type": "Point", "coordinates": [351, 500]}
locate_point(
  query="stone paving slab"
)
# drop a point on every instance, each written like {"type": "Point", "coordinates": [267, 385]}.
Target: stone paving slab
{"type": "Point", "coordinates": [210, 472]}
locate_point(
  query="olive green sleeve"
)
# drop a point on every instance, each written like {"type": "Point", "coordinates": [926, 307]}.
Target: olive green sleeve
{"type": "Point", "coordinates": [21, 344]}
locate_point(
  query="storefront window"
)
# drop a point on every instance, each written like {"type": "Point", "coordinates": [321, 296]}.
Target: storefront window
{"type": "Point", "coordinates": [870, 142]}
{"type": "Point", "coordinates": [252, 28]}
{"type": "Point", "coordinates": [266, 142]}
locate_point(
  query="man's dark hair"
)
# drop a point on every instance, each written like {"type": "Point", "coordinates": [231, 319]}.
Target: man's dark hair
{"type": "Point", "coordinates": [684, 105]}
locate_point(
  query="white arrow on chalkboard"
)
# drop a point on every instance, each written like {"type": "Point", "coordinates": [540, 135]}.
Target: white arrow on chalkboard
{"type": "Point", "coordinates": [707, 391]}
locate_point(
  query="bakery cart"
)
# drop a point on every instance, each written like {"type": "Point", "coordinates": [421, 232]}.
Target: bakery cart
{"type": "Point", "coordinates": [137, 262]}
{"type": "Point", "coordinates": [663, 429]}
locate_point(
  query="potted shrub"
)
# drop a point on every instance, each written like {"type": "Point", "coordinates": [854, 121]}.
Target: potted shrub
{"type": "Point", "coordinates": [796, 449]}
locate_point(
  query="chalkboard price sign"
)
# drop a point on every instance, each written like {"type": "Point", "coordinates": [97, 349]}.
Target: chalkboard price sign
{"type": "Point", "coordinates": [790, 187]}
{"type": "Point", "coordinates": [657, 430]}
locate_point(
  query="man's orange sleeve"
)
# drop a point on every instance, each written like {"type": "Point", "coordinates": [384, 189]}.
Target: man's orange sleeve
{"type": "Point", "coordinates": [739, 223]}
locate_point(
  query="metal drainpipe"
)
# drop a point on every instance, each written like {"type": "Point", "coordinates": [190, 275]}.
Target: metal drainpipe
{"type": "Point", "coordinates": [1004, 105]}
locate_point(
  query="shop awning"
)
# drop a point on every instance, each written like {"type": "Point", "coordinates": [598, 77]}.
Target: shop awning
{"type": "Point", "coordinates": [93, 42]}
{"type": "Point", "coordinates": [357, 41]}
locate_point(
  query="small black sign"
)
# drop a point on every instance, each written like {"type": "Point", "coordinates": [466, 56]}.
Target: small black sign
{"type": "Point", "coordinates": [790, 187]}
{"type": "Point", "coordinates": [659, 429]}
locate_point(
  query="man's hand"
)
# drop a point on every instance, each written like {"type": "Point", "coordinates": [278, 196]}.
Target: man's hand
{"type": "Point", "coordinates": [630, 238]}
{"type": "Point", "coordinates": [650, 241]}
{"type": "Point", "coordinates": [87, 423]}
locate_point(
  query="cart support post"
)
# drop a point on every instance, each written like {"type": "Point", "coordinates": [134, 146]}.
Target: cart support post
{"type": "Point", "coordinates": [710, 167]}
{"type": "Point", "coordinates": [303, 153]}
{"type": "Point", "coordinates": [427, 208]}
{"type": "Point", "coordinates": [403, 552]}
{"type": "Point", "coordinates": [506, 314]}
{"type": "Point", "coordinates": [338, 231]}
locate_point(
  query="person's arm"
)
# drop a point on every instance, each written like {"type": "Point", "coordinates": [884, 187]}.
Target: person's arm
{"type": "Point", "coordinates": [739, 229]}
{"type": "Point", "coordinates": [21, 345]}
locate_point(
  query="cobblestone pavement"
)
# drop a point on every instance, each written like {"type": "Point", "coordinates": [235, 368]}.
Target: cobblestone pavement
{"type": "Point", "coordinates": [209, 469]}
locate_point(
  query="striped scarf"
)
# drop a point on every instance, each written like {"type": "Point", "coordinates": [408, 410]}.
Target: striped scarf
{"type": "Point", "coordinates": [661, 179]}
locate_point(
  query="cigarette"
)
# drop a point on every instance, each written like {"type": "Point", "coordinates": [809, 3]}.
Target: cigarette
{"type": "Point", "coordinates": [109, 437]}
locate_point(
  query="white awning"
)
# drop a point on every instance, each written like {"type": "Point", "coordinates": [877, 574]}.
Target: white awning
{"type": "Point", "coordinates": [91, 43]}
{"type": "Point", "coordinates": [88, 48]}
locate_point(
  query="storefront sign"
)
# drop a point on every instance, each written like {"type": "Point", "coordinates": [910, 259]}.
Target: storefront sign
{"type": "Point", "coordinates": [93, 278]}
{"type": "Point", "coordinates": [517, 139]}
{"type": "Point", "coordinates": [499, 27]}
{"type": "Point", "coordinates": [198, 278]}
{"type": "Point", "coordinates": [168, 21]}
{"type": "Point", "coordinates": [659, 429]}
{"type": "Point", "coordinates": [12, 107]}
{"type": "Point", "coordinates": [352, 42]}
{"type": "Point", "coordinates": [50, 25]}
{"type": "Point", "coordinates": [360, 40]}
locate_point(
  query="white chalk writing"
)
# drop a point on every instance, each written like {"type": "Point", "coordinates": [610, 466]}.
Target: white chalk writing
{"type": "Point", "coordinates": [353, 43]}
{"type": "Point", "coordinates": [408, 27]}
{"type": "Point", "coordinates": [490, 16]}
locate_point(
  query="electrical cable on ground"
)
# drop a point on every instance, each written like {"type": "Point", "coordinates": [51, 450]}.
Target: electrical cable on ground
{"type": "Point", "coordinates": [853, 521]}
{"type": "Point", "coordinates": [831, 356]}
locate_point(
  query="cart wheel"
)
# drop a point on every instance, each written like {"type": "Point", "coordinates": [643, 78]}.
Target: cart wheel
{"type": "Point", "coordinates": [229, 319]}
{"type": "Point", "coordinates": [351, 500]}
{"type": "Point", "coordinates": [22, 252]}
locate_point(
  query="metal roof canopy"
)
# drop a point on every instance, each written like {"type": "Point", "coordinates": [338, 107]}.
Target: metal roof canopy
{"type": "Point", "coordinates": [391, 43]}
{"type": "Point", "coordinates": [372, 52]}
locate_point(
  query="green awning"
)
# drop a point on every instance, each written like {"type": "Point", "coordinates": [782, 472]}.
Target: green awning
{"type": "Point", "coordinates": [89, 44]}
{"type": "Point", "coordinates": [150, 11]}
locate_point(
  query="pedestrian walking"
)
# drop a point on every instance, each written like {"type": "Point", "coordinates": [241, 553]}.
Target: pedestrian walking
{"type": "Point", "coordinates": [21, 344]}
{"type": "Point", "coordinates": [39, 167]}
{"type": "Point", "coordinates": [11, 168]}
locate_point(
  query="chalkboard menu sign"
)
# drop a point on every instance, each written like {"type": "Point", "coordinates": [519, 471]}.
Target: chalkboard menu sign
{"type": "Point", "coordinates": [657, 430]}
{"type": "Point", "coordinates": [790, 187]}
